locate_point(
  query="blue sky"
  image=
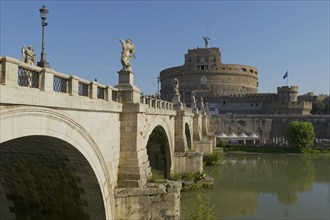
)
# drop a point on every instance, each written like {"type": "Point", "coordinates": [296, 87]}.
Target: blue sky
{"type": "Point", "coordinates": [82, 37]}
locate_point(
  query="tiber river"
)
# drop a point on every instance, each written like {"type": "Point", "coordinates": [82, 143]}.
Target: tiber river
{"type": "Point", "coordinates": [260, 186]}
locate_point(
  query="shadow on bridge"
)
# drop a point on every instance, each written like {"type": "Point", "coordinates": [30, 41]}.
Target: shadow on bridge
{"type": "Point", "coordinates": [158, 152]}
{"type": "Point", "coordinates": [42, 177]}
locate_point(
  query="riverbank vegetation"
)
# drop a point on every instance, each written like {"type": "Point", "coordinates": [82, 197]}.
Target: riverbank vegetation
{"type": "Point", "coordinates": [272, 149]}
{"type": "Point", "coordinates": [301, 135]}
{"type": "Point", "coordinates": [213, 159]}
{"type": "Point", "coordinates": [203, 209]}
{"type": "Point", "coordinates": [259, 149]}
{"type": "Point", "coordinates": [193, 181]}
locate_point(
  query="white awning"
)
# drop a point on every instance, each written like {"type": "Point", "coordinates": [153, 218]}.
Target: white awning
{"type": "Point", "coordinates": [222, 135]}
{"type": "Point", "coordinates": [242, 135]}
{"type": "Point", "coordinates": [253, 136]}
{"type": "Point", "coordinates": [232, 135]}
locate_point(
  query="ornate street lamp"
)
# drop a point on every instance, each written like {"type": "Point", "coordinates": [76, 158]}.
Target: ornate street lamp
{"type": "Point", "coordinates": [43, 15]}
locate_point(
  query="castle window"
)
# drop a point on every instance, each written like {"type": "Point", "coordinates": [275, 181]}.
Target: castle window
{"type": "Point", "coordinates": [251, 71]}
{"type": "Point", "coordinates": [243, 69]}
{"type": "Point", "coordinates": [202, 67]}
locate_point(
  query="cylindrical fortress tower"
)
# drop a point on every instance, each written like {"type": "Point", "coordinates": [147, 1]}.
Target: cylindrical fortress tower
{"type": "Point", "coordinates": [204, 71]}
{"type": "Point", "coordinates": [287, 94]}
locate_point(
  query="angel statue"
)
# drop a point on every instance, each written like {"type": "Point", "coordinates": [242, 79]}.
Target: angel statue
{"type": "Point", "coordinates": [206, 39]}
{"type": "Point", "coordinates": [176, 86]}
{"type": "Point", "coordinates": [28, 55]}
{"type": "Point", "coordinates": [193, 97]}
{"type": "Point", "coordinates": [202, 103]}
{"type": "Point", "coordinates": [128, 49]}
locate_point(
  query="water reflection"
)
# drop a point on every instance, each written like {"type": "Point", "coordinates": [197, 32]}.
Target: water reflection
{"type": "Point", "coordinates": [241, 179]}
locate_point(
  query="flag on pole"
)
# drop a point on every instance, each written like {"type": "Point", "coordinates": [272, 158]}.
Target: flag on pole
{"type": "Point", "coordinates": [285, 75]}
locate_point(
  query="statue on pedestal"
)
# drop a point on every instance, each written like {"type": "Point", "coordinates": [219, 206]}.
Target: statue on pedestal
{"type": "Point", "coordinates": [202, 104]}
{"type": "Point", "coordinates": [176, 86]}
{"type": "Point", "coordinates": [193, 98]}
{"type": "Point", "coordinates": [28, 55]}
{"type": "Point", "coordinates": [128, 49]}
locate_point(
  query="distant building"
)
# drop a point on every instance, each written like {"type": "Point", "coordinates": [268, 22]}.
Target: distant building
{"type": "Point", "coordinates": [228, 88]}
{"type": "Point", "coordinates": [282, 102]}
{"type": "Point", "coordinates": [203, 70]}
{"type": "Point", "coordinates": [311, 97]}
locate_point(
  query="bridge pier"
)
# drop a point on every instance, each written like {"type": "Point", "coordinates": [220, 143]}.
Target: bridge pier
{"type": "Point", "coordinates": [134, 166]}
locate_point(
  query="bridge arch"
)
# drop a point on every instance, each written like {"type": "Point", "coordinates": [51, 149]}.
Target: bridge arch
{"type": "Point", "coordinates": [33, 124]}
{"type": "Point", "coordinates": [158, 150]}
{"type": "Point", "coordinates": [160, 139]}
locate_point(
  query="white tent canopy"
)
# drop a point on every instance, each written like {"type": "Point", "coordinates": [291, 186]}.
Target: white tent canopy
{"type": "Point", "coordinates": [253, 136]}
{"type": "Point", "coordinates": [242, 135]}
{"type": "Point", "coordinates": [222, 135]}
{"type": "Point", "coordinates": [232, 135]}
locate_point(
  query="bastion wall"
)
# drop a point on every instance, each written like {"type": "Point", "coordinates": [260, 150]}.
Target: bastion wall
{"type": "Point", "coordinates": [268, 126]}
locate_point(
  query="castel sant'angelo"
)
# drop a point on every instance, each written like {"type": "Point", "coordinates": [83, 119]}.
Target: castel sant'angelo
{"type": "Point", "coordinates": [228, 88]}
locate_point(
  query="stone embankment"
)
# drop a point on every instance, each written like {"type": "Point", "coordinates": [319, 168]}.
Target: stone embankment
{"type": "Point", "coordinates": [154, 201]}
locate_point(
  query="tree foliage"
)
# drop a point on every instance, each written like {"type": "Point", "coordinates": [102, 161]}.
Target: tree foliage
{"type": "Point", "coordinates": [321, 107]}
{"type": "Point", "coordinates": [213, 159]}
{"type": "Point", "coordinates": [301, 135]}
{"type": "Point", "coordinates": [222, 143]}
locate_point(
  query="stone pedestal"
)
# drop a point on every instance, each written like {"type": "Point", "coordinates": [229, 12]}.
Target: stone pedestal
{"type": "Point", "coordinates": [126, 77]}
{"type": "Point", "coordinates": [176, 98]}
{"type": "Point", "coordinates": [128, 91]}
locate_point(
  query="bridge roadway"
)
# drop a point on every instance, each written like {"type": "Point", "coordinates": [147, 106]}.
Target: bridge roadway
{"type": "Point", "coordinates": [68, 144]}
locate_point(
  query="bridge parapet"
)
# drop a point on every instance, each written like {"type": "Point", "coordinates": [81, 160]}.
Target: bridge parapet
{"type": "Point", "coordinates": [16, 74]}
{"type": "Point", "coordinates": [154, 102]}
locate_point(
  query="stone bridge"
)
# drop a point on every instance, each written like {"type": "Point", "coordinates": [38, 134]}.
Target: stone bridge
{"type": "Point", "coordinates": [76, 149]}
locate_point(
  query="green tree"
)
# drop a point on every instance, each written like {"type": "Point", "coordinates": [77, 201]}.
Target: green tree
{"type": "Point", "coordinates": [319, 107]}
{"type": "Point", "coordinates": [301, 135]}
{"type": "Point", "coordinates": [222, 143]}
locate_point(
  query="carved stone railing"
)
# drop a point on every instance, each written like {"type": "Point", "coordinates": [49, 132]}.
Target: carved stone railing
{"type": "Point", "coordinates": [156, 103]}
{"type": "Point", "coordinates": [16, 73]}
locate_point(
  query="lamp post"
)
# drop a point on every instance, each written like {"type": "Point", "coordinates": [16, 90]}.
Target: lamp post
{"type": "Point", "coordinates": [158, 78]}
{"type": "Point", "coordinates": [43, 15]}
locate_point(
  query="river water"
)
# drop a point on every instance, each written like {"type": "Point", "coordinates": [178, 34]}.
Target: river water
{"type": "Point", "coordinates": [263, 186]}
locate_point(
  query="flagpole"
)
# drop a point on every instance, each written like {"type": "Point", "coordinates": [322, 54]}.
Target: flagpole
{"type": "Point", "coordinates": [287, 80]}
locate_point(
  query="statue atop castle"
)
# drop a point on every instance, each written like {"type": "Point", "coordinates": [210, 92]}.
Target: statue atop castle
{"type": "Point", "coordinates": [206, 39]}
{"type": "Point", "coordinates": [28, 55]}
{"type": "Point", "coordinates": [128, 50]}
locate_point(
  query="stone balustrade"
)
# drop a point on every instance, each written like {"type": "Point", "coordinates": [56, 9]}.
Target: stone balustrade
{"type": "Point", "coordinates": [16, 73]}
{"type": "Point", "coordinates": [154, 102]}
